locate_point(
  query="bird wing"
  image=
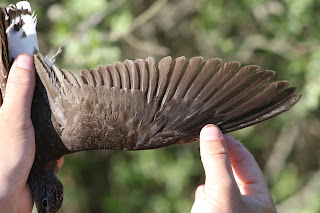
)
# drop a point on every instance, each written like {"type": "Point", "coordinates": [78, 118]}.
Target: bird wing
{"type": "Point", "coordinates": [4, 63]}
{"type": "Point", "coordinates": [138, 105]}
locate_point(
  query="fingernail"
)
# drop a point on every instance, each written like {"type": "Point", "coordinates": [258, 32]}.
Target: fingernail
{"type": "Point", "coordinates": [25, 61]}
{"type": "Point", "coordinates": [211, 132]}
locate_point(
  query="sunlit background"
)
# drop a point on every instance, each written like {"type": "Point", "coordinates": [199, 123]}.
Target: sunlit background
{"type": "Point", "coordinates": [281, 35]}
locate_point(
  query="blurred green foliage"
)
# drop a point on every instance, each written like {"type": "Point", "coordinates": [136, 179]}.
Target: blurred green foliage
{"type": "Point", "coordinates": [280, 35]}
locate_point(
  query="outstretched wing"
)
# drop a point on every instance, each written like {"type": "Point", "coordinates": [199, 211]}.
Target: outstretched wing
{"type": "Point", "coordinates": [4, 63]}
{"type": "Point", "coordinates": [136, 105]}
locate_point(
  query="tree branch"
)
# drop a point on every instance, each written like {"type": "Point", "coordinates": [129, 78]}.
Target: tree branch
{"type": "Point", "coordinates": [146, 46]}
{"type": "Point", "coordinates": [140, 20]}
{"type": "Point", "coordinates": [97, 18]}
{"type": "Point", "coordinates": [281, 150]}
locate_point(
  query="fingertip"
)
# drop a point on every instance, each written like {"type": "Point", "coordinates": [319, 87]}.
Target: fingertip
{"type": "Point", "coordinates": [215, 159]}
{"type": "Point", "coordinates": [231, 139]}
{"type": "Point", "coordinates": [235, 147]}
{"type": "Point", "coordinates": [210, 132]}
{"type": "Point", "coordinates": [199, 191]}
{"type": "Point", "coordinates": [24, 61]}
{"type": "Point", "coordinates": [247, 171]}
{"type": "Point", "coordinates": [212, 142]}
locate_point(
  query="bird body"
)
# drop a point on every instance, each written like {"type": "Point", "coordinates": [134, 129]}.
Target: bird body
{"type": "Point", "coordinates": [134, 105]}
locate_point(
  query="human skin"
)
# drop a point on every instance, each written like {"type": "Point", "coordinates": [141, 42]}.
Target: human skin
{"type": "Point", "coordinates": [234, 182]}
{"type": "Point", "coordinates": [17, 140]}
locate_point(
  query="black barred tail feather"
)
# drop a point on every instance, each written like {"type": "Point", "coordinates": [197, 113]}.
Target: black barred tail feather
{"type": "Point", "coordinates": [136, 105]}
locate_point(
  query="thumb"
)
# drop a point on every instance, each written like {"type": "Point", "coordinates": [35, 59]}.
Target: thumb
{"type": "Point", "coordinates": [20, 86]}
{"type": "Point", "coordinates": [216, 162]}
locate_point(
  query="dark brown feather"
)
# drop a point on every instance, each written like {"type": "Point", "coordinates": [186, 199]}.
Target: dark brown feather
{"type": "Point", "coordinates": [225, 72]}
{"type": "Point", "coordinates": [188, 77]}
{"type": "Point", "coordinates": [285, 101]}
{"type": "Point", "coordinates": [237, 81]}
{"type": "Point", "coordinates": [97, 77]}
{"type": "Point", "coordinates": [116, 82]}
{"type": "Point", "coordinates": [258, 101]}
{"type": "Point", "coordinates": [125, 80]}
{"type": "Point", "coordinates": [134, 105]}
{"type": "Point", "coordinates": [153, 81]}
{"type": "Point", "coordinates": [209, 69]}
{"type": "Point", "coordinates": [72, 78]}
{"type": "Point", "coordinates": [164, 68]}
{"type": "Point", "coordinates": [107, 81]}
{"type": "Point", "coordinates": [133, 73]}
{"type": "Point", "coordinates": [87, 78]}
{"type": "Point", "coordinates": [176, 73]}
{"type": "Point", "coordinates": [143, 74]}
{"type": "Point", "coordinates": [249, 88]}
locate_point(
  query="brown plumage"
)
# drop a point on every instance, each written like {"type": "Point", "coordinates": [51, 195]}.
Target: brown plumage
{"type": "Point", "coordinates": [138, 105]}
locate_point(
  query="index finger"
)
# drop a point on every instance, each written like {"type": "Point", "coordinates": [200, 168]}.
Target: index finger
{"type": "Point", "coordinates": [247, 173]}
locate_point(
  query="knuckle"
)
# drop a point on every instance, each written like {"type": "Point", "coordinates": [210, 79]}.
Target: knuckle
{"type": "Point", "coordinates": [216, 148]}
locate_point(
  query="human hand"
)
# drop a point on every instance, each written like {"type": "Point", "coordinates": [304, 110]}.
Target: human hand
{"type": "Point", "coordinates": [17, 140]}
{"type": "Point", "coordinates": [234, 181]}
